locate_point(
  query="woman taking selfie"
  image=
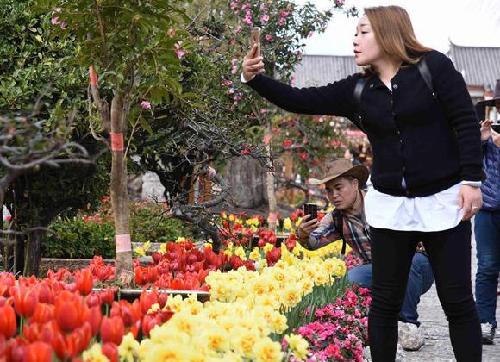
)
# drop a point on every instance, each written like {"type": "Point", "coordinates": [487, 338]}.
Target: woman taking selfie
{"type": "Point", "coordinates": [416, 111]}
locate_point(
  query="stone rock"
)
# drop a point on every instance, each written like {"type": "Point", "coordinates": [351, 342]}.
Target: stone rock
{"type": "Point", "coordinates": [410, 337]}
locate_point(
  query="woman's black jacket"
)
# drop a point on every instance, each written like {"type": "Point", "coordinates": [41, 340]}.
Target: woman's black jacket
{"type": "Point", "coordinates": [433, 142]}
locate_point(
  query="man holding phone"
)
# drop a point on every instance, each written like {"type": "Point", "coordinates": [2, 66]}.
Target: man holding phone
{"type": "Point", "coordinates": [344, 182]}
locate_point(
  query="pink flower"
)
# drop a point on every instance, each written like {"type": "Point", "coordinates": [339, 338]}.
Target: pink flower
{"type": "Point", "coordinates": [145, 105]}
{"type": "Point", "coordinates": [179, 50]}
{"type": "Point", "coordinates": [264, 18]}
{"type": "Point", "coordinates": [55, 20]}
{"type": "Point", "coordinates": [269, 37]}
{"type": "Point", "coordinates": [248, 20]}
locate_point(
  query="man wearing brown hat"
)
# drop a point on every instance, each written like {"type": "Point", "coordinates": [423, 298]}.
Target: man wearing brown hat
{"type": "Point", "coordinates": [343, 183]}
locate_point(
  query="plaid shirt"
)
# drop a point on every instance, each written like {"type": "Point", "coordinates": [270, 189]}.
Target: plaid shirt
{"type": "Point", "coordinates": [355, 233]}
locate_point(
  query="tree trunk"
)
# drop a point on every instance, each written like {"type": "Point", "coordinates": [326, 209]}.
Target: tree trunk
{"type": "Point", "coordinates": [19, 258]}
{"type": "Point", "coordinates": [119, 192]}
{"type": "Point", "coordinates": [246, 179]}
{"type": "Point", "coordinates": [271, 196]}
{"type": "Point", "coordinates": [33, 253]}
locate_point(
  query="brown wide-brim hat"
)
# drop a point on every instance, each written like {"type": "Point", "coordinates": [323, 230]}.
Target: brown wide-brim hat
{"type": "Point", "coordinates": [342, 168]}
{"type": "Point", "coordinates": [496, 97]}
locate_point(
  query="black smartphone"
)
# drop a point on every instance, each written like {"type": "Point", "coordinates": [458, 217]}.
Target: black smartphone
{"type": "Point", "coordinates": [495, 127]}
{"type": "Point", "coordinates": [311, 209]}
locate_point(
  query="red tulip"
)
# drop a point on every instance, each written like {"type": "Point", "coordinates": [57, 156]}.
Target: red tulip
{"type": "Point", "coordinates": [110, 350]}
{"type": "Point", "coordinates": [140, 275]}
{"type": "Point", "coordinates": [38, 352]}
{"type": "Point", "coordinates": [45, 293]}
{"type": "Point", "coordinates": [273, 256]}
{"type": "Point", "coordinates": [149, 321]}
{"type": "Point", "coordinates": [43, 313]}
{"type": "Point", "coordinates": [7, 321]}
{"type": "Point", "coordinates": [84, 281]}
{"type": "Point", "coordinates": [162, 299]}
{"type": "Point", "coordinates": [25, 300]}
{"type": "Point", "coordinates": [69, 311]}
{"type": "Point", "coordinates": [93, 300]}
{"type": "Point", "coordinates": [95, 319]}
{"type": "Point", "coordinates": [129, 313]}
{"type": "Point", "coordinates": [112, 330]}
{"type": "Point", "coordinates": [107, 296]}
{"type": "Point", "coordinates": [64, 346]}
{"type": "Point", "coordinates": [147, 299]}
{"type": "Point", "coordinates": [7, 280]}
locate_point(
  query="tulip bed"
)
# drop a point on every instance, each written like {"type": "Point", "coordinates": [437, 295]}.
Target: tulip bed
{"type": "Point", "coordinates": [268, 302]}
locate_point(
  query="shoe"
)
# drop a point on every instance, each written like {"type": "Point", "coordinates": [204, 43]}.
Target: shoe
{"type": "Point", "coordinates": [488, 332]}
{"type": "Point", "coordinates": [410, 337]}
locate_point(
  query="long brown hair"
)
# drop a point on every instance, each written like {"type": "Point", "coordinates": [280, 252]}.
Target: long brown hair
{"type": "Point", "coordinates": [394, 33]}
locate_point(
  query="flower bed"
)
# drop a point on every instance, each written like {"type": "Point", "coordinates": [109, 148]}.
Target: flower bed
{"type": "Point", "coordinates": [268, 302]}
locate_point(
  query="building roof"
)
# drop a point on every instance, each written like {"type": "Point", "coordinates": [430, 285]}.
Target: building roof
{"type": "Point", "coordinates": [317, 70]}
{"type": "Point", "coordinates": [480, 66]}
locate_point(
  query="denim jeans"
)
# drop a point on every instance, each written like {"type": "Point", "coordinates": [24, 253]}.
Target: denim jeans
{"type": "Point", "coordinates": [420, 280]}
{"type": "Point", "coordinates": [487, 232]}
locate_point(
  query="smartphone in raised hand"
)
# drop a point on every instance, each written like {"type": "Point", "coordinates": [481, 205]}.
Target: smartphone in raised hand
{"type": "Point", "coordinates": [255, 39]}
{"type": "Point", "coordinates": [311, 209]}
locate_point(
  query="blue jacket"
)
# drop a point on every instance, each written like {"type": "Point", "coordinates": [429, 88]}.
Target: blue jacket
{"type": "Point", "coordinates": [491, 186]}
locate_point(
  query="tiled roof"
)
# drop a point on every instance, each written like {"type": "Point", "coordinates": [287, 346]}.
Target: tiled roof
{"type": "Point", "coordinates": [317, 70]}
{"type": "Point", "coordinates": [479, 65]}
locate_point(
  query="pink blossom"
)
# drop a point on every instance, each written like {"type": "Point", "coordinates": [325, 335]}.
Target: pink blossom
{"type": "Point", "coordinates": [264, 18]}
{"type": "Point", "coordinates": [179, 50]}
{"type": "Point", "coordinates": [145, 105]}
{"type": "Point", "coordinates": [248, 20]}
{"type": "Point", "coordinates": [55, 20]}
{"type": "Point", "coordinates": [269, 37]}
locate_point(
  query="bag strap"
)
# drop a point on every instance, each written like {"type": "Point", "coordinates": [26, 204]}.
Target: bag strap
{"type": "Point", "coordinates": [426, 74]}
{"type": "Point", "coordinates": [358, 90]}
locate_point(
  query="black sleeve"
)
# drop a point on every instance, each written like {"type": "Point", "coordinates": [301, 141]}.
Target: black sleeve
{"type": "Point", "coordinates": [457, 104]}
{"type": "Point", "coordinates": [333, 99]}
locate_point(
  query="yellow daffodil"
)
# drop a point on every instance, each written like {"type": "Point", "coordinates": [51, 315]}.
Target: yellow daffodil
{"type": "Point", "coordinates": [298, 345]}
{"type": "Point", "coordinates": [94, 354]}
{"type": "Point", "coordinates": [139, 251]}
{"type": "Point", "coordinates": [129, 348]}
{"type": "Point", "coordinates": [268, 351]}
{"type": "Point", "coordinates": [287, 224]}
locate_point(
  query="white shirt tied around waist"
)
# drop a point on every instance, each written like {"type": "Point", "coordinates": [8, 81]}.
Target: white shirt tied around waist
{"type": "Point", "coordinates": [430, 213]}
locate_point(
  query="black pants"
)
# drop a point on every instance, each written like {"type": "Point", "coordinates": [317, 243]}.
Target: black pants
{"type": "Point", "coordinates": [450, 256]}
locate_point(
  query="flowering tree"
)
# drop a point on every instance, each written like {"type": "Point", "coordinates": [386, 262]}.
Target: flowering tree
{"type": "Point", "coordinates": [284, 27]}
{"type": "Point", "coordinates": [133, 57]}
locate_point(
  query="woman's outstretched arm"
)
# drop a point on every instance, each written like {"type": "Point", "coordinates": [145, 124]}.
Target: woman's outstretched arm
{"type": "Point", "coordinates": [333, 99]}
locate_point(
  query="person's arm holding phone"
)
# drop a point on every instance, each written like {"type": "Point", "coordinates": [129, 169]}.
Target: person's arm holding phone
{"type": "Point", "coordinates": [332, 99]}
{"type": "Point", "coordinates": [313, 235]}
